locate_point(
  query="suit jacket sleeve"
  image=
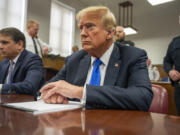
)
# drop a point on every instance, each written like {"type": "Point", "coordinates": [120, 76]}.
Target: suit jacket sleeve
{"type": "Point", "coordinates": [168, 61]}
{"type": "Point", "coordinates": [28, 79]}
{"type": "Point", "coordinates": [137, 95]}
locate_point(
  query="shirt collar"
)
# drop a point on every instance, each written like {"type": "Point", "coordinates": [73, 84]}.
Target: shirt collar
{"type": "Point", "coordinates": [16, 59]}
{"type": "Point", "coordinates": [105, 57]}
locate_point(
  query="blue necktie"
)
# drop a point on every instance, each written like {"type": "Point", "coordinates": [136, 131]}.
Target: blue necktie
{"type": "Point", "coordinates": [10, 72]}
{"type": "Point", "coordinates": [96, 77]}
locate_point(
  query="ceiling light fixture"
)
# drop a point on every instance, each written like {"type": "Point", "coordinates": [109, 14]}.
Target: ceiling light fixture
{"type": "Point", "coordinates": [157, 2]}
{"type": "Point", "coordinates": [126, 17]}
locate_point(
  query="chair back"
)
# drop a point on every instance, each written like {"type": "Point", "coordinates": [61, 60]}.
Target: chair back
{"type": "Point", "coordinates": [160, 100]}
{"type": "Point", "coordinates": [50, 72]}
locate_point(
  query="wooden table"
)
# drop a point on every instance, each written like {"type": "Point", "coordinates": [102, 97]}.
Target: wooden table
{"type": "Point", "coordinates": [84, 122]}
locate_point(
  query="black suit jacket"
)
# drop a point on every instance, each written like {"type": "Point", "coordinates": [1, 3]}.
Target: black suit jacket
{"type": "Point", "coordinates": [172, 58]}
{"type": "Point", "coordinates": [126, 86]}
{"type": "Point", "coordinates": [28, 75]}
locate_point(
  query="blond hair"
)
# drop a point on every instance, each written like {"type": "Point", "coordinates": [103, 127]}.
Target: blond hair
{"type": "Point", "coordinates": [30, 23]}
{"type": "Point", "coordinates": [107, 17]}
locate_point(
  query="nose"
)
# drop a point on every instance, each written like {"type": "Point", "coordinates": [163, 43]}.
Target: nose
{"type": "Point", "coordinates": [0, 45]}
{"type": "Point", "coordinates": [83, 31]}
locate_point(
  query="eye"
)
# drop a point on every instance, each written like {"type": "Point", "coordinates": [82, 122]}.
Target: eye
{"type": "Point", "coordinates": [4, 42]}
{"type": "Point", "coordinates": [90, 26]}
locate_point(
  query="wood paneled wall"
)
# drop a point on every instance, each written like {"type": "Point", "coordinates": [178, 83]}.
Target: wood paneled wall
{"type": "Point", "coordinates": [161, 70]}
{"type": "Point", "coordinates": [0, 58]}
{"type": "Point", "coordinates": [53, 62]}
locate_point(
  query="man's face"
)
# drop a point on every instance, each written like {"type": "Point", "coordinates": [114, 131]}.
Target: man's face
{"type": "Point", "coordinates": [8, 48]}
{"type": "Point", "coordinates": [33, 30]}
{"type": "Point", "coordinates": [120, 33]}
{"type": "Point", "coordinates": [93, 35]}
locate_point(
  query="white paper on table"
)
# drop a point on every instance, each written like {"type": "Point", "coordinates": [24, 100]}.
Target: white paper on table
{"type": "Point", "coordinates": [39, 107]}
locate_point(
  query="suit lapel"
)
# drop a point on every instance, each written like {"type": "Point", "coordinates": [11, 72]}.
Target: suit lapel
{"type": "Point", "coordinates": [82, 70]}
{"type": "Point", "coordinates": [113, 68]}
{"type": "Point", "coordinates": [4, 71]}
{"type": "Point", "coordinates": [19, 63]}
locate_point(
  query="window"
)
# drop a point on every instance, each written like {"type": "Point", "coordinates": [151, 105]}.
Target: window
{"type": "Point", "coordinates": [61, 28]}
{"type": "Point", "coordinates": [12, 13]}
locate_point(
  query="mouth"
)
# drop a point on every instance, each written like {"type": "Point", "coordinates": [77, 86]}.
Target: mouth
{"type": "Point", "coordinates": [85, 42]}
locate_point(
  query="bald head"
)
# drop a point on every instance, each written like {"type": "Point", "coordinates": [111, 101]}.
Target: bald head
{"type": "Point", "coordinates": [120, 34]}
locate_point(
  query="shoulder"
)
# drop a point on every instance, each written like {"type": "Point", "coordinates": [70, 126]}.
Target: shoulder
{"type": "Point", "coordinates": [130, 55]}
{"type": "Point", "coordinates": [131, 51]}
{"type": "Point", "coordinates": [77, 56]}
{"type": "Point", "coordinates": [29, 56]}
{"type": "Point", "coordinates": [177, 38]}
{"type": "Point", "coordinates": [175, 43]}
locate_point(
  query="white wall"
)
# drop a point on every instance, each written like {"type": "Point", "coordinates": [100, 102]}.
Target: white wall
{"type": "Point", "coordinates": [155, 47]}
{"type": "Point", "coordinates": [39, 10]}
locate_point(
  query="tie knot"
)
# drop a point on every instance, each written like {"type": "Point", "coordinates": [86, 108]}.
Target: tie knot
{"type": "Point", "coordinates": [97, 62]}
{"type": "Point", "coordinates": [11, 62]}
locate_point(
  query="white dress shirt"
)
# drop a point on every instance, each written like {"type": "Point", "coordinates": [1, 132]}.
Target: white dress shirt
{"type": "Point", "coordinates": [105, 60]}
{"type": "Point", "coordinates": [39, 43]}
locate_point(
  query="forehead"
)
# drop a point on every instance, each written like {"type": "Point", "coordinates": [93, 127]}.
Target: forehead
{"type": "Point", "coordinates": [118, 28]}
{"type": "Point", "coordinates": [34, 25]}
{"type": "Point", "coordinates": [5, 37]}
{"type": "Point", "coordinates": [90, 17]}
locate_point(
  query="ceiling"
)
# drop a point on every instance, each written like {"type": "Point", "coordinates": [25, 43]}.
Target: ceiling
{"type": "Point", "coordinates": [146, 18]}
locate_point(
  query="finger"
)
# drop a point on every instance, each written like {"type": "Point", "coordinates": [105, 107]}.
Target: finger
{"type": "Point", "coordinates": [50, 93]}
{"type": "Point", "coordinates": [65, 101]}
{"type": "Point", "coordinates": [47, 87]}
{"type": "Point", "coordinates": [60, 99]}
{"type": "Point", "coordinates": [47, 101]}
{"type": "Point", "coordinates": [53, 99]}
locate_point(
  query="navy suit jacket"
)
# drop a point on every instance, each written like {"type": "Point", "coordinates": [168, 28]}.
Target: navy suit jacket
{"type": "Point", "coordinates": [126, 86]}
{"type": "Point", "coordinates": [28, 75]}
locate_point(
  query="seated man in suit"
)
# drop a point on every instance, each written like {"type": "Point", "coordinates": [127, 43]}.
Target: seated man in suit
{"type": "Point", "coordinates": [21, 71]}
{"type": "Point", "coordinates": [102, 75]}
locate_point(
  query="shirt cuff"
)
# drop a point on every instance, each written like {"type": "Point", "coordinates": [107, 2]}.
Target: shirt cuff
{"type": "Point", "coordinates": [83, 100]}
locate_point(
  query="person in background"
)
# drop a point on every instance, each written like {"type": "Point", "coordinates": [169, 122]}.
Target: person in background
{"type": "Point", "coordinates": [102, 75]}
{"type": "Point", "coordinates": [154, 74]}
{"type": "Point", "coordinates": [75, 48]}
{"type": "Point", "coordinates": [120, 37]}
{"type": "Point", "coordinates": [21, 72]}
{"type": "Point", "coordinates": [172, 68]}
{"type": "Point", "coordinates": [33, 42]}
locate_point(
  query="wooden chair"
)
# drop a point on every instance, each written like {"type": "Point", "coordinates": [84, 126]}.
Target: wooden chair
{"type": "Point", "coordinates": [50, 72]}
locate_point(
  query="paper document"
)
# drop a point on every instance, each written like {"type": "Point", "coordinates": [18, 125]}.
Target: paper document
{"type": "Point", "coordinates": [39, 107]}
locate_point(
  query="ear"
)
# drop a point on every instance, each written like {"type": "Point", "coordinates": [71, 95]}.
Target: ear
{"type": "Point", "coordinates": [110, 34]}
{"type": "Point", "coordinates": [20, 44]}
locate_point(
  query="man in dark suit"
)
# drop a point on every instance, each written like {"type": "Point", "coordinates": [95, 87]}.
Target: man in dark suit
{"type": "Point", "coordinates": [21, 71]}
{"type": "Point", "coordinates": [172, 68]}
{"type": "Point", "coordinates": [102, 75]}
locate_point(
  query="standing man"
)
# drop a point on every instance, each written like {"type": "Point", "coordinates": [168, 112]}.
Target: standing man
{"type": "Point", "coordinates": [120, 37]}
{"type": "Point", "coordinates": [21, 71]}
{"type": "Point", "coordinates": [33, 43]}
{"type": "Point", "coordinates": [172, 68]}
{"type": "Point", "coordinates": [102, 75]}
